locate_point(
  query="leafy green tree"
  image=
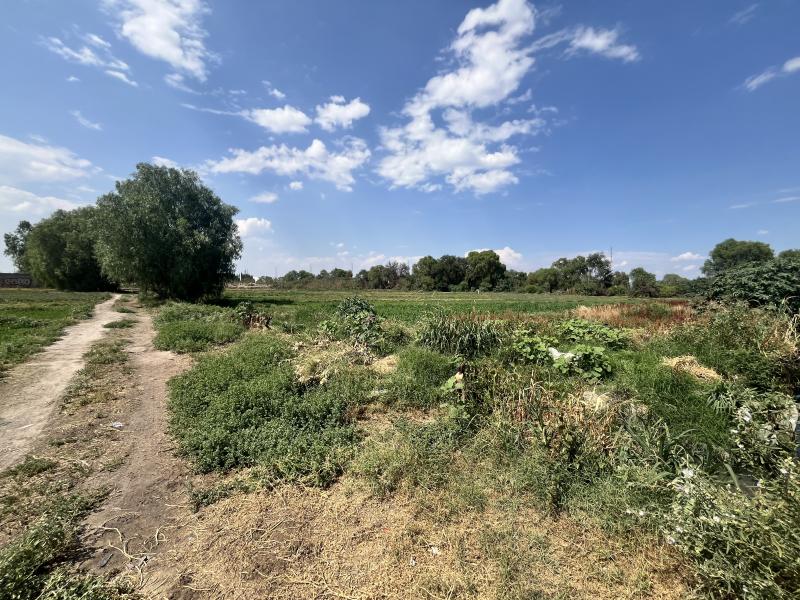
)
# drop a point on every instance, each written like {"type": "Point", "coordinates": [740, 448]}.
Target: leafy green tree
{"type": "Point", "coordinates": [60, 251]}
{"type": "Point", "coordinates": [15, 245]}
{"type": "Point", "coordinates": [424, 272]}
{"type": "Point", "coordinates": [484, 270]}
{"type": "Point", "coordinates": [246, 278]}
{"type": "Point", "coordinates": [672, 285]}
{"type": "Point", "coordinates": [794, 253]}
{"type": "Point", "coordinates": [543, 280]}
{"type": "Point", "coordinates": [772, 283]}
{"type": "Point", "coordinates": [643, 283]}
{"type": "Point", "coordinates": [620, 284]}
{"type": "Point", "coordinates": [733, 253]}
{"type": "Point", "coordinates": [166, 231]}
{"type": "Point", "coordinates": [341, 274]}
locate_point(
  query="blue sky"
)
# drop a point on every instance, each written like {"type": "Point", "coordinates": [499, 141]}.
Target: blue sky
{"type": "Point", "coordinates": [351, 133]}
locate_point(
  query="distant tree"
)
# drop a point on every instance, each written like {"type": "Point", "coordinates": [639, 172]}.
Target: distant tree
{"type": "Point", "coordinates": [362, 278]}
{"type": "Point", "coordinates": [341, 274]}
{"type": "Point", "coordinates": [60, 251]}
{"type": "Point", "coordinates": [265, 280]}
{"type": "Point", "coordinates": [643, 283]}
{"type": "Point", "coordinates": [733, 253]}
{"type": "Point", "coordinates": [599, 274]}
{"type": "Point", "coordinates": [379, 278]}
{"type": "Point", "coordinates": [323, 274]}
{"type": "Point", "coordinates": [484, 270]}
{"type": "Point", "coordinates": [16, 243]}
{"type": "Point", "coordinates": [620, 284]}
{"type": "Point", "coordinates": [784, 254]}
{"type": "Point", "coordinates": [425, 273]}
{"type": "Point", "coordinates": [672, 285]}
{"type": "Point", "coordinates": [543, 280]}
{"type": "Point", "coordinates": [246, 278]}
{"type": "Point", "coordinates": [165, 230]}
{"type": "Point", "coordinates": [450, 272]}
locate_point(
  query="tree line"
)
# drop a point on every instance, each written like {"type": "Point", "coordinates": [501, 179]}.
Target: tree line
{"type": "Point", "coordinates": [167, 233]}
{"type": "Point", "coordinates": [483, 270]}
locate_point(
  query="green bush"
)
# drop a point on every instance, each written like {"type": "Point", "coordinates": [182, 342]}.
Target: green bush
{"type": "Point", "coordinates": [419, 377]}
{"type": "Point", "coordinates": [355, 319]}
{"type": "Point", "coordinates": [244, 408]}
{"type": "Point", "coordinates": [587, 362]}
{"type": "Point", "coordinates": [740, 545]}
{"type": "Point", "coordinates": [468, 335]}
{"type": "Point", "coordinates": [772, 283]}
{"type": "Point", "coordinates": [530, 348]}
{"type": "Point", "coordinates": [583, 331]}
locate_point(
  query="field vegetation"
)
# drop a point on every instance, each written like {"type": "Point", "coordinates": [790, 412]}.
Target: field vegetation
{"type": "Point", "coordinates": [31, 320]}
{"type": "Point", "coordinates": [655, 421]}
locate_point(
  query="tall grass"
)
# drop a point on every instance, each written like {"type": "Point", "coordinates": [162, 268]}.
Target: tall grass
{"type": "Point", "coordinates": [467, 335]}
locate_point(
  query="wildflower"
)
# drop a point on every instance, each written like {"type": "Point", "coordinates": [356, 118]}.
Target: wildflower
{"type": "Point", "coordinates": [688, 473]}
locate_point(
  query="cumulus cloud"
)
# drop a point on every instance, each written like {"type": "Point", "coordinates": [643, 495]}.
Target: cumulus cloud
{"type": "Point", "coordinates": [39, 161]}
{"type": "Point", "coordinates": [490, 64]}
{"type": "Point", "coordinates": [754, 82]}
{"type": "Point", "coordinates": [316, 161]}
{"type": "Point", "coordinates": [296, 185]}
{"type": "Point", "coordinates": [84, 122]}
{"type": "Point", "coordinates": [286, 119]}
{"type": "Point", "coordinates": [687, 256]}
{"type": "Point", "coordinates": [17, 200]}
{"type": "Point", "coordinates": [252, 226]}
{"type": "Point", "coordinates": [72, 79]}
{"type": "Point", "coordinates": [265, 198]}
{"type": "Point", "coordinates": [167, 30]}
{"type": "Point", "coordinates": [338, 113]}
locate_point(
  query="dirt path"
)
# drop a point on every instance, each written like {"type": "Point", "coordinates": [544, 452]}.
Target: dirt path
{"type": "Point", "coordinates": [142, 517]}
{"type": "Point", "coordinates": [29, 393]}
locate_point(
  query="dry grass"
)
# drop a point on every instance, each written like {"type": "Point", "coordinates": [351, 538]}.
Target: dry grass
{"type": "Point", "coordinates": [688, 364]}
{"type": "Point", "coordinates": [343, 543]}
{"type": "Point", "coordinates": [652, 316]}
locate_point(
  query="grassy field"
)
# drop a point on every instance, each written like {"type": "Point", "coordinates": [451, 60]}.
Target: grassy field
{"type": "Point", "coordinates": [300, 309]}
{"type": "Point", "coordinates": [32, 319]}
{"type": "Point", "coordinates": [634, 420]}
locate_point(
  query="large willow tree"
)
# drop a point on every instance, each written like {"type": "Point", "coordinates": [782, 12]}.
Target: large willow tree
{"type": "Point", "coordinates": [167, 232]}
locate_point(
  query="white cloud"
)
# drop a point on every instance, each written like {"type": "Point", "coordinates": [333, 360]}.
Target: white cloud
{"type": "Point", "coordinates": [763, 232]}
{"type": "Point", "coordinates": [337, 113]}
{"type": "Point", "coordinates": [160, 161]}
{"type": "Point", "coordinates": [265, 198]}
{"type": "Point", "coordinates": [122, 77]}
{"type": "Point", "coordinates": [316, 161]}
{"type": "Point", "coordinates": [743, 16]}
{"type": "Point", "coordinates": [491, 63]}
{"type": "Point", "coordinates": [296, 185]}
{"type": "Point", "coordinates": [84, 122]}
{"type": "Point", "coordinates": [603, 42]}
{"type": "Point", "coordinates": [687, 256]}
{"type": "Point", "coordinates": [178, 81]}
{"type": "Point", "coordinates": [786, 199]}
{"type": "Point", "coordinates": [16, 200]}
{"type": "Point", "coordinates": [72, 79]}
{"type": "Point", "coordinates": [252, 226]}
{"type": "Point", "coordinates": [103, 59]}
{"type": "Point", "coordinates": [276, 93]}
{"type": "Point", "coordinates": [39, 161]}
{"type": "Point", "coordinates": [167, 30]}
{"type": "Point", "coordinates": [754, 82]}
{"type": "Point", "coordinates": [286, 119]}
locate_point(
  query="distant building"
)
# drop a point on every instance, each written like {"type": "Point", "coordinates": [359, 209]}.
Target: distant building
{"type": "Point", "coordinates": [15, 280]}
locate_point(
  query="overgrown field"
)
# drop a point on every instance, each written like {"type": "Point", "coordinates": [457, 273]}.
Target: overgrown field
{"type": "Point", "coordinates": [298, 309]}
{"type": "Point", "coordinates": [33, 319]}
{"type": "Point", "coordinates": [662, 428]}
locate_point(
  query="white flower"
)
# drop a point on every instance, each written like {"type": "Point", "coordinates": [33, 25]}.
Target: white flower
{"type": "Point", "coordinates": [688, 473]}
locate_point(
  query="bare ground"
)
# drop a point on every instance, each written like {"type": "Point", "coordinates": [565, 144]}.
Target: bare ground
{"type": "Point", "coordinates": [31, 390]}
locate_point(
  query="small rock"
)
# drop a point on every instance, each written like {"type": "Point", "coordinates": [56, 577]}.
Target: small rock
{"type": "Point", "coordinates": [117, 425]}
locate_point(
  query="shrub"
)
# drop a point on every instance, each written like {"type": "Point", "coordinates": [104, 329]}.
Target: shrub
{"type": "Point", "coordinates": [531, 348]}
{"type": "Point", "coordinates": [741, 546]}
{"type": "Point", "coordinates": [588, 362]}
{"type": "Point", "coordinates": [184, 327]}
{"type": "Point", "coordinates": [355, 319]}
{"type": "Point", "coordinates": [772, 283]}
{"type": "Point", "coordinates": [419, 377]}
{"type": "Point", "coordinates": [244, 408]}
{"type": "Point", "coordinates": [466, 335]}
{"type": "Point", "coordinates": [583, 331]}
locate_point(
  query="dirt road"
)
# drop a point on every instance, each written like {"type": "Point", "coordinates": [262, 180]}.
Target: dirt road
{"type": "Point", "coordinates": [31, 390]}
{"type": "Point", "coordinates": [142, 517]}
